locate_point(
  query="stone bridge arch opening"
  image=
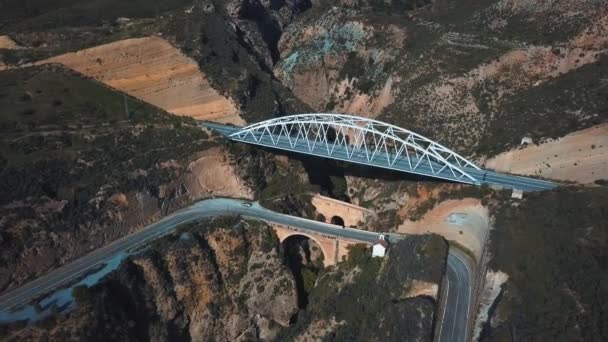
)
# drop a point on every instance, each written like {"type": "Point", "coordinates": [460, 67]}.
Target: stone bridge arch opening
{"type": "Point", "coordinates": [309, 250]}
{"type": "Point", "coordinates": [305, 257]}
{"type": "Point", "coordinates": [337, 220]}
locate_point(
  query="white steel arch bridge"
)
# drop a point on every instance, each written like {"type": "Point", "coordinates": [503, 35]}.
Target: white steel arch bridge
{"type": "Point", "coordinates": [370, 142]}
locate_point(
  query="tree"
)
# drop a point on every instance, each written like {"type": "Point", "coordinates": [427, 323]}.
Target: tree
{"type": "Point", "coordinates": [339, 186]}
{"type": "Point", "coordinates": [309, 278]}
{"type": "Point", "coordinates": [82, 295]}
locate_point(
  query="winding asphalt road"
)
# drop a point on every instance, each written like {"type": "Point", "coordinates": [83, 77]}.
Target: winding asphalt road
{"type": "Point", "coordinates": [456, 299]}
{"type": "Point", "coordinates": [452, 326]}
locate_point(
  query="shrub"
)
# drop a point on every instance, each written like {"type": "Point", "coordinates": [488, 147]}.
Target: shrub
{"type": "Point", "coordinates": [82, 295]}
{"type": "Point", "coordinates": [309, 277]}
{"type": "Point", "coordinates": [357, 253]}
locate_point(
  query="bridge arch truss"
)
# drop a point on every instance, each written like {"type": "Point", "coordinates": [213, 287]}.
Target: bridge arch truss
{"type": "Point", "coordinates": [360, 140]}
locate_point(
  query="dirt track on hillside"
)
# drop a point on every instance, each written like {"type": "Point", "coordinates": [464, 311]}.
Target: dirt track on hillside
{"type": "Point", "coordinates": [156, 72]}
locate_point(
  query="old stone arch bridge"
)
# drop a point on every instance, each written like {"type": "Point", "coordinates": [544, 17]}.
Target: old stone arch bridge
{"type": "Point", "coordinates": [333, 248]}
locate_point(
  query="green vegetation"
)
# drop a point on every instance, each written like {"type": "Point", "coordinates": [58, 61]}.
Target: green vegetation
{"type": "Point", "coordinates": [339, 187]}
{"type": "Point", "coordinates": [453, 47]}
{"type": "Point", "coordinates": [297, 252]}
{"type": "Point", "coordinates": [309, 277]}
{"type": "Point", "coordinates": [54, 122]}
{"type": "Point", "coordinates": [69, 140]}
{"type": "Point", "coordinates": [270, 240]}
{"type": "Point", "coordinates": [554, 247]}
{"type": "Point", "coordinates": [48, 29]}
{"type": "Point", "coordinates": [232, 65]}
{"type": "Point", "coordinates": [41, 15]}
{"type": "Point", "coordinates": [358, 254]}
{"type": "Point", "coordinates": [279, 187]}
{"type": "Point", "coordinates": [82, 295]}
{"type": "Point", "coordinates": [287, 183]}
{"type": "Point", "coordinates": [227, 221]}
{"type": "Point", "coordinates": [374, 296]}
{"type": "Point", "coordinates": [567, 103]}
{"type": "Point", "coordinates": [353, 68]}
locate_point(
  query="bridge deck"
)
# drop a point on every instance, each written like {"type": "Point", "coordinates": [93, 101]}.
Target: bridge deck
{"type": "Point", "coordinates": [402, 163]}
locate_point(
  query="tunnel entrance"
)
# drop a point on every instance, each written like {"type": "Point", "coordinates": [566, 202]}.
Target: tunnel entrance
{"type": "Point", "coordinates": [304, 257]}
{"type": "Point", "coordinates": [337, 220]}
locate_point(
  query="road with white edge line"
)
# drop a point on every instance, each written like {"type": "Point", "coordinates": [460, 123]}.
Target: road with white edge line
{"type": "Point", "coordinates": [452, 326]}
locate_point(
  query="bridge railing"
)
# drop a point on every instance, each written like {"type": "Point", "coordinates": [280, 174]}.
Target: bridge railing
{"type": "Point", "coordinates": [361, 140]}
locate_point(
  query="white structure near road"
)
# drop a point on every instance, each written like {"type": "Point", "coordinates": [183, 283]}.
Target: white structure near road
{"type": "Point", "coordinates": [380, 246]}
{"type": "Point", "coordinates": [517, 193]}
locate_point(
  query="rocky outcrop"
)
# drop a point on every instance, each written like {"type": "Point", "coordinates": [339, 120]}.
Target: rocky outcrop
{"type": "Point", "coordinates": [88, 173]}
{"type": "Point", "coordinates": [262, 22]}
{"type": "Point", "coordinates": [395, 296]}
{"type": "Point", "coordinates": [327, 61]}
{"type": "Point", "coordinates": [226, 284]}
{"type": "Point", "coordinates": [478, 94]}
{"type": "Point", "coordinates": [7, 43]}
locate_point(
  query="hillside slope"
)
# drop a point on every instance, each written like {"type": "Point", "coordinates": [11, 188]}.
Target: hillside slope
{"type": "Point", "coordinates": [82, 165]}
{"type": "Point", "coordinates": [476, 76]}
{"type": "Point", "coordinates": [155, 72]}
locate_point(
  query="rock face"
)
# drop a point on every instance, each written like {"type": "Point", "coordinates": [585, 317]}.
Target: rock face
{"type": "Point", "coordinates": [262, 22]}
{"type": "Point", "coordinates": [227, 284]}
{"type": "Point", "coordinates": [375, 299]}
{"type": "Point", "coordinates": [324, 59]}
{"type": "Point", "coordinates": [432, 71]}
{"type": "Point", "coordinates": [77, 173]}
{"type": "Point", "coordinates": [7, 43]}
{"type": "Point", "coordinates": [565, 232]}
{"type": "Point", "coordinates": [207, 283]}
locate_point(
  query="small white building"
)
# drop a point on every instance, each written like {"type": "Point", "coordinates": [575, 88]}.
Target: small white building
{"type": "Point", "coordinates": [379, 247]}
{"type": "Point", "coordinates": [526, 141]}
{"type": "Point", "coordinates": [517, 193]}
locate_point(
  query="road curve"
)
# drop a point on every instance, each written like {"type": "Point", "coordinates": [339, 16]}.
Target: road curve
{"type": "Point", "coordinates": [456, 298]}
{"type": "Point", "coordinates": [453, 325]}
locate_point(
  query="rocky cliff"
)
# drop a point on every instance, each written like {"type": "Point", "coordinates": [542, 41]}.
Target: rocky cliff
{"type": "Point", "coordinates": [374, 299]}
{"type": "Point", "coordinates": [81, 165]}
{"type": "Point", "coordinates": [227, 280]}
{"type": "Point", "coordinates": [220, 281]}
{"type": "Point", "coordinates": [477, 76]}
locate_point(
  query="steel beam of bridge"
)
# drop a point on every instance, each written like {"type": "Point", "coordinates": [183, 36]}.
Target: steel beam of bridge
{"type": "Point", "coordinates": [373, 143]}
